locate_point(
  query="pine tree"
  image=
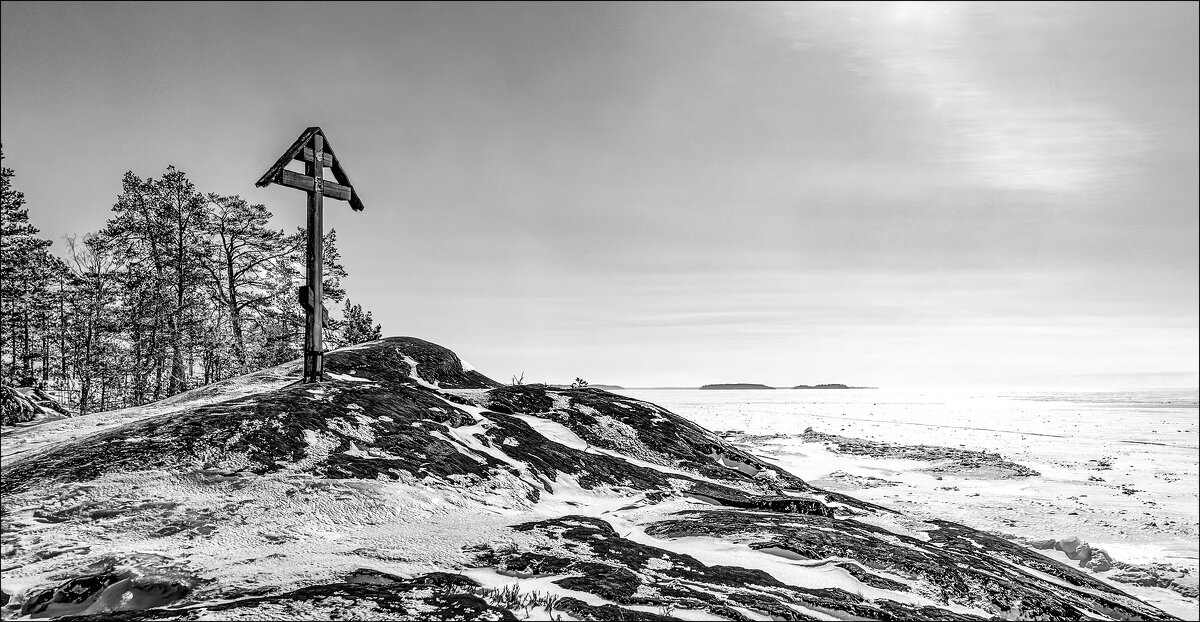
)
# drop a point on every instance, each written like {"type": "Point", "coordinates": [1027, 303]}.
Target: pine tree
{"type": "Point", "coordinates": [356, 326]}
{"type": "Point", "coordinates": [158, 230]}
{"type": "Point", "coordinates": [94, 326]}
{"type": "Point", "coordinates": [26, 272]}
{"type": "Point", "coordinates": [243, 250]}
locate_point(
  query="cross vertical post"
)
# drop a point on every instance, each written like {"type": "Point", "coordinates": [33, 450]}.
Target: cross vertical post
{"type": "Point", "coordinates": [314, 349]}
{"type": "Point", "coordinates": [313, 148]}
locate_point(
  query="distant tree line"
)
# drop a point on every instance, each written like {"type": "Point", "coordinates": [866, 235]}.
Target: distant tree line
{"type": "Point", "coordinates": [180, 289]}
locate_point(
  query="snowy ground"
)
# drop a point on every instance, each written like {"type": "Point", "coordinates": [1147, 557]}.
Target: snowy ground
{"type": "Point", "coordinates": [1118, 470]}
{"type": "Point", "coordinates": [232, 534]}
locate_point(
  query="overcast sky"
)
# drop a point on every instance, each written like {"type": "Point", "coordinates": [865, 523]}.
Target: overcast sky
{"type": "Point", "coordinates": [895, 195]}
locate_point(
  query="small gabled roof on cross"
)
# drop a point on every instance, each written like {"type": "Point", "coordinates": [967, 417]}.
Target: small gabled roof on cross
{"type": "Point", "coordinates": [275, 174]}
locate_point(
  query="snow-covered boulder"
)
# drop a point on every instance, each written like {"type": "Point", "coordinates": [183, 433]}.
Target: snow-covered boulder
{"type": "Point", "coordinates": [25, 404]}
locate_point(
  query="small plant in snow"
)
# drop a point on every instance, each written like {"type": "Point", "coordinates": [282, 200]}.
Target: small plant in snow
{"type": "Point", "coordinates": [507, 548]}
{"type": "Point", "coordinates": [511, 598]}
{"type": "Point", "coordinates": [579, 383]}
{"type": "Point", "coordinates": [518, 380]}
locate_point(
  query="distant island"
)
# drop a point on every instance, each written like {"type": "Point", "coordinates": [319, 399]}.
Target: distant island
{"type": "Point", "coordinates": [734, 386]}
{"type": "Point", "coordinates": [606, 387]}
{"type": "Point", "coordinates": [828, 386]}
{"type": "Point", "coordinates": [739, 386]}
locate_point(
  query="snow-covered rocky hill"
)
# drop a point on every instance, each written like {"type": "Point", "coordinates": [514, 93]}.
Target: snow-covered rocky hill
{"type": "Point", "coordinates": [406, 487]}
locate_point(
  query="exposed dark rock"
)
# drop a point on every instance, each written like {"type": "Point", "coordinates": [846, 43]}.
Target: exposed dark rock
{"type": "Point", "coordinates": [273, 432]}
{"type": "Point", "coordinates": [1161, 575]}
{"type": "Point", "coordinates": [771, 503]}
{"type": "Point", "coordinates": [841, 480]}
{"type": "Point", "coordinates": [960, 461]}
{"type": "Point", "coordinates": [386, 360]}
{"type": "Point", "coordinates": [950, 566]}
{"type": "Point", "coordinates": [25, 404]}
{"type": "Point", "coordinates": [107, 587]}
{"type": "Point", "coordinates": [435, 596]}
{"type": "Point", "coordinates": [630, 573]}
{"type": "Point", "coordinates": [872, 579]}
{"type": "Point", "coordinates": [611, 582]}
{"type": "Point", "coordinates": [522, 398]}
{"type": "Point", "coordinates": [409, 426]}
{"type": "Point", "coordinates": [1094, 559]}
{"type": "Point", "coordinates": [370, 575]}
{"type": "Point", "coordinates": [643, 430]}
{"type": "Point", "coordinates": [583, 611]}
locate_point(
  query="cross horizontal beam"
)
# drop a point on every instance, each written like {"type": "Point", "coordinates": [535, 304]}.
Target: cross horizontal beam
{"type": "Point", "coordinates": [306, 155]}
{"type": "Point", "coordinates": [292, 179]}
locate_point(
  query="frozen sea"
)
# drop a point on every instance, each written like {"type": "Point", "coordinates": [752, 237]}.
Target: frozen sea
{"type": "Point", "coordinates": [1119, 469]}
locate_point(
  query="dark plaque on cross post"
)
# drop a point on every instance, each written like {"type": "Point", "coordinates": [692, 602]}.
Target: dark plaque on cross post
{"type": "Point", "coordinates": [314, 150]}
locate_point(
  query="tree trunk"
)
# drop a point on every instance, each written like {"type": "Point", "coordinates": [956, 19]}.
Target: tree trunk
{"type": "Point", "coordinates": [26, 369]}
{"type": "Point", "coordinates": [62, 313]}
{"type": "Point", "coordinates": [45, 349]}
{"type": "Point", "coordinates": [85, 378]}
{"type": "Point", "coordinates": [235, 320]}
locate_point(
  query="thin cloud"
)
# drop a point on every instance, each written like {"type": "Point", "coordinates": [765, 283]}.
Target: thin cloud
{"type": "Point", "coordinates": [945, 54]}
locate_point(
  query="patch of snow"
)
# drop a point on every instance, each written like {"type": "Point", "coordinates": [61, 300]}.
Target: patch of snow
{"type": "Point", "coordinates": [560, 401]}
{"type": "Point", "coordinates": [318, 450]}
{"type": "Point", "coordinates": [554, 431]}
{"type": "Point", "coordinates": [412, 373]}
{"type": "Point", "coordinates": [625, 438]}
{"type": "Point", "coordinates": [361, 430]}
{"type": "Point", "coordinates": [348, 377]}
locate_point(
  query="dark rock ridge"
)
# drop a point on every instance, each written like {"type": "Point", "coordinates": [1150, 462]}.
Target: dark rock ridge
{"type": "Point", "coordinates": [734, 386]}
{"type": "Point", "coordinates": [407, 488]}
{"type": "Point", "coordinates": [948, 459]}
{"type": "Point", "coordinates": [395, 357]}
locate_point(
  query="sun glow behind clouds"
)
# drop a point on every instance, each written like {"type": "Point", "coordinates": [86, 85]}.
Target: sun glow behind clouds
{"type": "Point", "coordinates": [971, 66]}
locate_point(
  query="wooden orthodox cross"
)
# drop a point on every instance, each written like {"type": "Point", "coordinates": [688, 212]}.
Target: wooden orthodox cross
{"type": "Point", "coordinates": [314, 150]}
